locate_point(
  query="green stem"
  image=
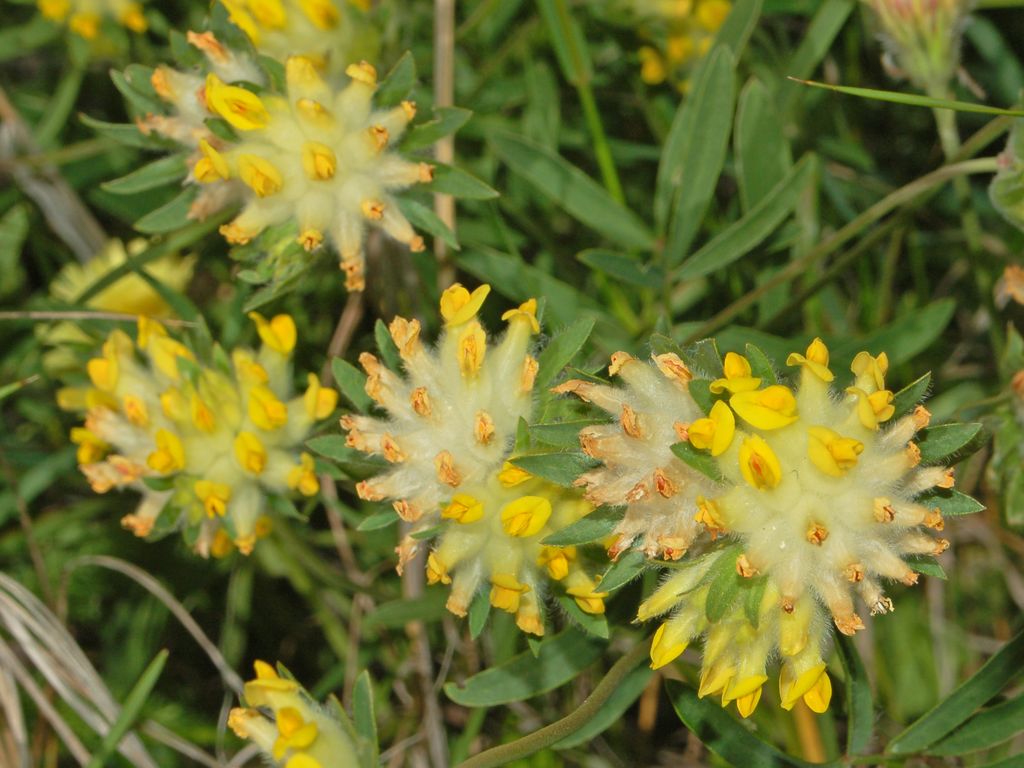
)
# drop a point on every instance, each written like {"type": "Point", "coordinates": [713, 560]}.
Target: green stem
{"type": "Point", "coordinates": [949, 138]}
{"type": "Point", "coordinates": [602, 150]}
{"type": "Point", "coordinates": [59, 107]}
{"type": "Point", "coordinates": [903, 195]}
{"type": "Point", "coordinates": [558, 730]}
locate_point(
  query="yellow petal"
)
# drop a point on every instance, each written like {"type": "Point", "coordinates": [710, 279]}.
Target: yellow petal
{"type": "Point", "coordinates": [770, 408]}
{"type": "Point", "coordinates": [459, 305]}
{"type": "Point", "coordinates": [241, 108]}
{"type": "Point", "coordinates": [278, 333]}
{"type": "Point", "coordinates": [525, 516]}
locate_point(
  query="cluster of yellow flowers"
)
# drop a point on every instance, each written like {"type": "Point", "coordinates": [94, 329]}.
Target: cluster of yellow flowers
{"type": "Point", "coordinates": [298, 733]}
{"type": "Point", "coordinates": [205, 445]}
{"type": "Point", "coordinates": [818, 502]}
{"type": "Point", "coordinates": [680, 32]}
{"type": "Point", "coordinates": [450, 433]}
{"type": "Point", "coordinates": [85, 17]}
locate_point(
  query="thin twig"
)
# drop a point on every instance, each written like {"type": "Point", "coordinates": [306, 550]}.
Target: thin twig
{"type": "Point", "coordinates": [444, 150]}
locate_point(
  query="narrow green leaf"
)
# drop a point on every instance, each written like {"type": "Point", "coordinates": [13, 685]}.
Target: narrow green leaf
{"type": "Point", "coordinates": [761, 366]}
{"type": "Point", "coordinates": [704, 359]}
{"type": "Point", "coordinates": [20, 40]}
{"type": "Point", "coordinates": [622, 267]}
{"type": "Point", "coordinates": [447, 120]}
{"type": "Point", "coordinates": [941, 442]}
{"type": "Point", "coordinates": [913, 99]}
{"type": "Point", "coordinates": [352, 384]}
{"type": "Point", "coordinates": [14, 227]}
{"type": "Point", "coordinates": [130, 712]}
{"type": "Point", "coordinates": [398, 613]}
{"type": "Point", "coordinates": [560, 351]}
{"type": "Point", "coordinates": [702, 462]}
{"type": "Point", "coordinates": [159, 173]}
{"type": "Point", "coordinates": [568, 41]}
{"type": "Point", "coordinates": [927, 565]}
{"type": "Point", "coordinates": [560, 659]}
{"type": "Point", "coordinates": [560, 468]}
{"type": "Point", "coordinates": [725, 585]}
{"type": "Point", "coordinates": [422, 217]}
{"type": "Point", "coordinates": [612, 710]}
{"type": "Point", "coordinates": [564, 434]}
{"type": "Point", "coordinates": [479, 610]}
{"type": "Point", "coordinates": [998, 671]}
{"type": "Point", "coordinates": [906, 336]}
{"type": "Point", "coordinates": [9, 389]}
{"type": "Point", "coordinates": [860, 713]}
{"type": "Point", "coordinates": [742, 236]}
{"type": "Point", "coordinates": [570, 188]}
{"type": "Point", "coordinates": [950, 502]}
{"type": "Point", "coordinates": [592, 624]}
{"type": "Point", "coordinates": [986, 729]}
{"type": "Point", "coordinates": [378, 520]}
{"type": "Point", "coordinates": [828, 20]}
{"type": "Point", "coordinates": [127, 134]}
{"type": "Point", "coordinates": [349, 459]}
{"type": "Point", "coordinates": [398, 83]}
{"type": "Point", "coordinates": [763, 156]}
{"type": "Point", "coordinates": [912, 394]}
{"type": "Point", "coordinates": [449, 180]}
{"type": "Point", "coordinates": [700, 391]}
{"type": "Point", "coordinates": [752, 592]}
{"type": "Point", "coordinates": [694, 153]}
{"type": "Point", "coordinates": [722, 733]}
{"type": "Point", "coordinates": [139, 99]}
{"type": "Point", "coordinates": [594, 527]}
{"type": "Point", "coordinates": [170, 216]}
{"type": "Point", "coordinates": [629, 565]}
{"type": "Point", "coordinates": [363, 716]}
{"type": "Point", "coordinates": [739, 26]}
{"type": "Point", "coordinates": [386, 346]}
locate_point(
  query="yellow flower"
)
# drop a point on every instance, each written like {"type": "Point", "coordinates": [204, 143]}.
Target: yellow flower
{"type": "Point", "coordinates": [773, 407]}
{"type": "Point", "coordinates": [714, 432]}
{"type": "Point", "coordinates": [759, 464]}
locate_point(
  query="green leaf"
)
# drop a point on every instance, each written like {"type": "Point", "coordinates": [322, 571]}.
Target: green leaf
{"type": "Point", "coordinates": [590, 623]}
{"type": "Point", "coordinates": [699, 460]}
{"type": "Point", "coordinates": [352, 461]}
{"type": "Point", "coordinates": [570, 188]}
{"type": "Point", "coordinates": [739, 26]}
{"type": "Point", "coordinates": [564, 434]}
{"type": "Point", "coordinates": [20, 40]}
{"type": "Point", "coordinates": [126, 134]}
{"type": "Point", "coordinates": [622, 267]}
{"type": "Point", "coordinates": [927, 565]}
{"type": "Point", "coordinates": [170, 216]}
{"type": "Point", "coordinates": [561, 350]}
{"type": "Point", "coordinates": [422, 217]}
{"type": "Point", "coordinates": [700, 391]}
{"type": "Point", "coordinates": [594, 527]}
{"type": "Point", "coordinates": [159, 173]}
{"type": "Point", "coordinates": [722, 733]}
{"type": "Point", "coordinates": [568, 41]}
{"type": "Point", "coordinates": [752, 591]}
{"type": "Point", "coordinates": [912, 394]}
{"type": "Point", "coordinates": [694, 153]}
{"type": "Point", "coordinates": [397, 613]}
{"type": "Point", "coordinates": [629, 565]}
{"type": "Point", "coordinates": [986, 729]}
{"type": "Point", "coordinates": [378, 520]}
{"type": "Point", "coordinates": [479, 610]}
{"type": "Point", "coordinates": [363, 716]}
{"type": "Point", "coordinates": [860, 713]}
{"type": "Point", "coordinates": [352, 384]}
{"type": "Point", "coordinates": [941, 442]}
{"type": "Point", "coordinates": [950, 502]}
{"type": "Point", "coordinates": [905, 337]}
{"type": "Point", "coordinates": [398, 84]}
{"type": "Point", "coordinates": [449, 180]}
{"type": "Point", "coordinates": [560, 468]}
{"type": "Point", "coordinates": [724, 583]}
{"type": "Point", "coordinates": [14, 226]}
{"type": "Point", "coordinates": [386, 346]}
{"type": "Point", "coordinates": [997, 673]}
{"type": "Point", "coordinates": [131, 711]}
{"type": "Point", "coordinates": [612, 710]}
{"type": "Point", "coordinates": [763, 157]}
{"type": "Point", "coordinates": [742, 236]}
{"type": "Point", "coordinates": [704, 359]}
{"type": "Point", "coordinates": [829, 18]}
{"type": "Point", "coordinates": [913, 99]}
{"type": "Point", "coordinates": [560, 659]}
{"type": "Point", "coordinates": [760, 365]}
{"type": "Point", "coordinates": [137, 97]}
{"type": "Point", "coordinates": [447, 120]}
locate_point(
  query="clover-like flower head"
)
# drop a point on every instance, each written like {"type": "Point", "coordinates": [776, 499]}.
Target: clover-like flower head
{"type": "Point", "coordinates": [449, 434]}
{"type": "Point", "coordinates": [821, 502]}
{"type": "Point", "coordinates": [292, 730]}
{"type": "Point", "coordinates": [85, 17]}
{"type": "Point", "coordinates": [205, 445]}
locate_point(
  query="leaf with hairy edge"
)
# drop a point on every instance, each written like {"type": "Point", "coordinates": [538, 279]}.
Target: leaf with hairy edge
{"type": "Point", "coordinates": [422, 217]}
{"type": "Point", "coordinates": [398, 83]}
{"type": "Point", "coordinates": [559, 660]}
{"type": "Point", "coordinates": [447, 120]}
{"type": "Point", "coordinates": [941, 442]}
{"type": "Point", "coordinates": [950, 502]}
{"type": "Point", "coordinates": [907, 398]}
{"type": "Point", "coordinates": [927, 565]}
{"type": "Point", "coordinates": [563, 434]}
{"type": "Point", "coordinates": [560, 468]}
{"type": "Point", "coordinates": [572, 189]}
{"type": "Point", "coordinates": [629, 565]}
{"type": "Point", "coordinates": [702, 462]}
{"type": "Point", "coordinates": [724, 583]}
{"type": "Point", "coordinates": [560, 351]}
{"type": "Point", "coordinates": [591, 623]}
{"type": "Point", "coordinates": [170, 216]}
{"type": "Point", "coordinates": [449, 180]}
{"type": "Point", "coordinates": [722, 733]}
{"type": "Point", "coordinates": [479, 610]}
{"type": "Point", "coordinates": [760, 365]}
{"type": "Point", "coordinates": [352, 383]}
{"type": "Point", "coordinates": [363, 715]}
{"type": "Point", "coordinates": [860, 713]}
{"type": "Point", "coordinates": [594, 527]}
{"type": "Point", "coordinates": [159, 173]}
{"type": "Point", "coordinates": [1004, 667]}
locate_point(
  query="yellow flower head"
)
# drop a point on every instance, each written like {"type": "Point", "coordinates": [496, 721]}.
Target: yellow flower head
{"type": "Point", "coordinates": [86, 17]}
{"type": "Point", "coordinates": [449, 434]}
{"type": "Point", "coordinates": [290, 728]}
{"type": "Point", "coordinates": [205, 445]}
